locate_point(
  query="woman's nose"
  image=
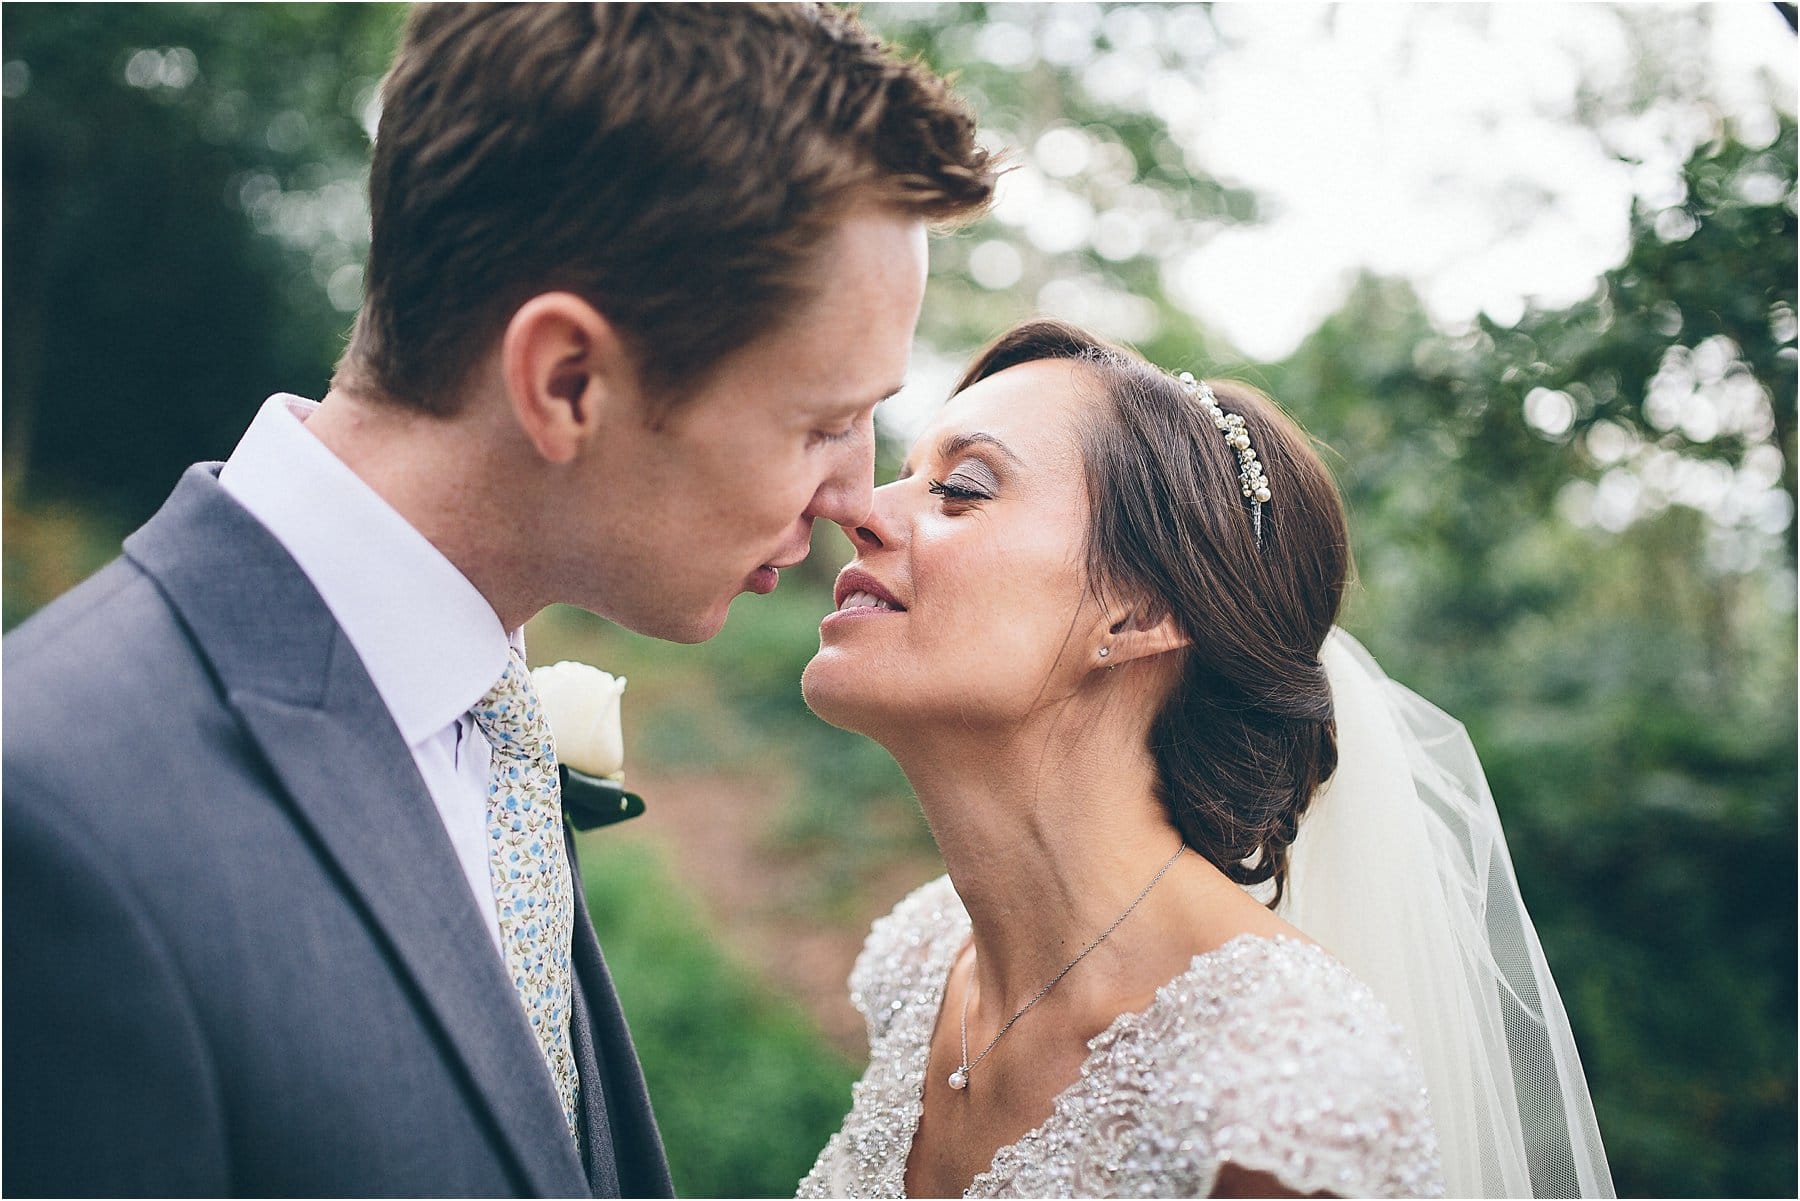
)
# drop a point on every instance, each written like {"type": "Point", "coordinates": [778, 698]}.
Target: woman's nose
{"type": "Point", "coordinates": [864, 538]}
{"type": "Point", "coordinates": [877, 529]}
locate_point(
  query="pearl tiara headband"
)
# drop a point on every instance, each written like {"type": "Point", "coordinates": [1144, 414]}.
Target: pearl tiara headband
{"type": "Point", "coordinates": [1251, 481]}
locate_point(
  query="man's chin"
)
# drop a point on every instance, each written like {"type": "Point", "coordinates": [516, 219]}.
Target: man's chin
{"type": "Point", "coordinates": [691, 630]}
{"type": "Point", "coordinates": [704, 629]}
{"type": "Point", "coordinates": [671, 624]}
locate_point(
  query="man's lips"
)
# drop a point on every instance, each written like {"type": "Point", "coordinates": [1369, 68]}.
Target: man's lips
{"type": "Point", "coordinates": [762, 581]}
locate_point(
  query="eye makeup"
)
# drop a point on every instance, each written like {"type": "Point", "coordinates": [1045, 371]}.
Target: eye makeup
{"type": "Point", "coordinates": [969, 479]}
{"type": "Point", "coordinates": [971, 454]}
{"type": "Point", "coordinates": [953, 489]}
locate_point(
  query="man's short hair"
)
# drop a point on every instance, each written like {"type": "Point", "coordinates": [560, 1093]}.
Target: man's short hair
{"type": "Point", "coordinates": [676, 165]}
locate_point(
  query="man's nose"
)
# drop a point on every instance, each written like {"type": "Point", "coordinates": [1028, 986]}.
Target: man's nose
{"type": "Point", "coordinates": [848, 492]}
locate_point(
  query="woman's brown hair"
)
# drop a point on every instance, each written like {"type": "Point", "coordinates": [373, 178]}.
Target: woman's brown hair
{"type": "Point", "coordinates": [1246, 735]}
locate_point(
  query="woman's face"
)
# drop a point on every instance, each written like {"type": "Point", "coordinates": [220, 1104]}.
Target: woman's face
{"type": "Point", "coordinates": [966, 602]}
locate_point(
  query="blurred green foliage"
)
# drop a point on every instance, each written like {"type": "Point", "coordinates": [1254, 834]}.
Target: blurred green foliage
{"type": "Point", "coordinates": [1574, 531]}
{"type": "Point", "coordinates": [745, 1093]}
{"type": "Point", "coordinates": [180, 183]}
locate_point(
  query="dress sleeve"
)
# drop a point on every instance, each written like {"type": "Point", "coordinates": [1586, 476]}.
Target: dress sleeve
{"type": "Point", "coordinates": [898, 953]}
{"type": "Point", "coordinates": [1313, 1083]}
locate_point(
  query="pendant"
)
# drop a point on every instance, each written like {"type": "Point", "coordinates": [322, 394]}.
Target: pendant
{"type": "Point", "coordinates": [959, 1080]}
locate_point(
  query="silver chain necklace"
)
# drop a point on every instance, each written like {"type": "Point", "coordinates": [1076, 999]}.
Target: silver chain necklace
{"type": "Point", "coordinates": [959, 1079]}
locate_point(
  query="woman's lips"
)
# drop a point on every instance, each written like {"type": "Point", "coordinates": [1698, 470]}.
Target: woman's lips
{"type": "Point", "coordinates": [857, 595]}
{"type": "Point", "coordinates": [858, 606]}
{"type": "Point", "coordinates": [854, 583]}
{"type": "Point", "coordinates": [859, 613]}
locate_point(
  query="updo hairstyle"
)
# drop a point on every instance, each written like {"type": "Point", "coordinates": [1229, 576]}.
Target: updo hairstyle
{"type": "Point", "coordinates": [1246, 735]}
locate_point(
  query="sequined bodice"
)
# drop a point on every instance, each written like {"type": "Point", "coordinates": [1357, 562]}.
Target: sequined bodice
{"type": "Point", "coordinates": [1265, 1053]}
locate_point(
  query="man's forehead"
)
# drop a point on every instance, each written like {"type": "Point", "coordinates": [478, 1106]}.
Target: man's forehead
{"type": "Point", "coordinates": [873, 260]}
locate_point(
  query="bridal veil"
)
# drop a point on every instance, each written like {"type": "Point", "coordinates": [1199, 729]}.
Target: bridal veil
{"type": "Point", "coordinates": [1400, 869]}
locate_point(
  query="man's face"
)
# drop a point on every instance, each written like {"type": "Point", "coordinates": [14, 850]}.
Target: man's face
{"type": "Point", "coordinates": [711, 504]}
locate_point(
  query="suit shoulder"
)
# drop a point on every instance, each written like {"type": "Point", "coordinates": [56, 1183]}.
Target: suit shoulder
{"type": "Point", "coordinates": [101, 687]}
{"type": "Point", "coordinates": [117, 623]}
{"type": "Point", "coordinates": [115, 614]}
{"type": "Point", "coordinates": [70, 613]}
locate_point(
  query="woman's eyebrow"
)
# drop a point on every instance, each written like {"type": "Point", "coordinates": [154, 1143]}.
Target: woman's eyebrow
{"type": "Point", "coordinates": [955, 444]}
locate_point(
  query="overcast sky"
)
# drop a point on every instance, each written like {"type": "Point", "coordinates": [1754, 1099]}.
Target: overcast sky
{"type": "Point", "coordinates": [1433, 142]}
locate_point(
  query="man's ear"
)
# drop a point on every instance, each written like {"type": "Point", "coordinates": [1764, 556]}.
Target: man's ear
{"type": "Point", "coordinates": [565, 370]}
{"type": "Point", "coordinates": [1139, 630]}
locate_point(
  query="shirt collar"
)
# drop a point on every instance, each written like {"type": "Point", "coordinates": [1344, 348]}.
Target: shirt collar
{"type": "Point", "coordinates": [430, 641]}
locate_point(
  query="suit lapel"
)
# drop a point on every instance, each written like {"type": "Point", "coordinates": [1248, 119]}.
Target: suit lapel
{"type": "Point", "coordinates": [639, 1167]}
{"type": "Point", "coordinates": [600, 1159]}
{"type": "Point", "coordinates": [304, 697]}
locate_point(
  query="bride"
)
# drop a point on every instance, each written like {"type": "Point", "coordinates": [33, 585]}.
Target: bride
{"type": "Point", "coordinates": [1227, 912]}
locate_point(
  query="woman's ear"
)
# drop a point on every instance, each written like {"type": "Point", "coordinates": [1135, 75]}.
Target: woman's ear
{"type": "Point", "coordinates": [566, 372]}
{"type": "Point", "coordinates": [1141, 630]}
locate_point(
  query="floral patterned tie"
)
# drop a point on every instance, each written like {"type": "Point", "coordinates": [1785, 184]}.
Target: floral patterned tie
{"type": "Point", "coordinates": [529, 868]}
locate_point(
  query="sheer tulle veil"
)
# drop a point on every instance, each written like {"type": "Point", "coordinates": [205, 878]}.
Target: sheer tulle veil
{"type": "Point", "coordinates": [1400, 869]}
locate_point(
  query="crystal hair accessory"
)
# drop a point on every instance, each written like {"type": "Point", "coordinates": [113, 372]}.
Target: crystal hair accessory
{"type": "Point", "coordinates": [1252, 483]}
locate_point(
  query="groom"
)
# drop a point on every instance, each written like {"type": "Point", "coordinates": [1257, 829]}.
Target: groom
{"type": "Point", "coordinates": [288, 903]}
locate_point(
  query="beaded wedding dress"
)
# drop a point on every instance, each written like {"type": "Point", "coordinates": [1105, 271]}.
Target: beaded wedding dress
{"type": "Point", "coordinates": [1265, 1053]}
{"type": "Point", "coordinates": [1427, 1052]}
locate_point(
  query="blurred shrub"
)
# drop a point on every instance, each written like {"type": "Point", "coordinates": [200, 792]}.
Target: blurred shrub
{"type": "Point", "coordinates": [177, 200]}
{"type": "Point", "coordinates": [746, 1093]}
{"type": "Point", "coordinates": [48, 549]}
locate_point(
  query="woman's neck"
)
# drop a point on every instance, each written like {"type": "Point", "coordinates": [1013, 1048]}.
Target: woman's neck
{"type": "Point", "coordinates": [1049, 834]}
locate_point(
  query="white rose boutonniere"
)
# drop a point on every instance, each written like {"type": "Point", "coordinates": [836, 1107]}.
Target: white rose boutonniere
{"type": "Point", "coordinates": [581, 704]}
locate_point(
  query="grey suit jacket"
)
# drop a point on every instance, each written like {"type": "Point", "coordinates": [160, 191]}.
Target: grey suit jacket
{"type": "Point", "coordinates": [240, 956]}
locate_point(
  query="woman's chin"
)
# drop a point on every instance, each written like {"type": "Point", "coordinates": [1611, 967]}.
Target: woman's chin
{"type": "Point", "coordinates": [842, 692]}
